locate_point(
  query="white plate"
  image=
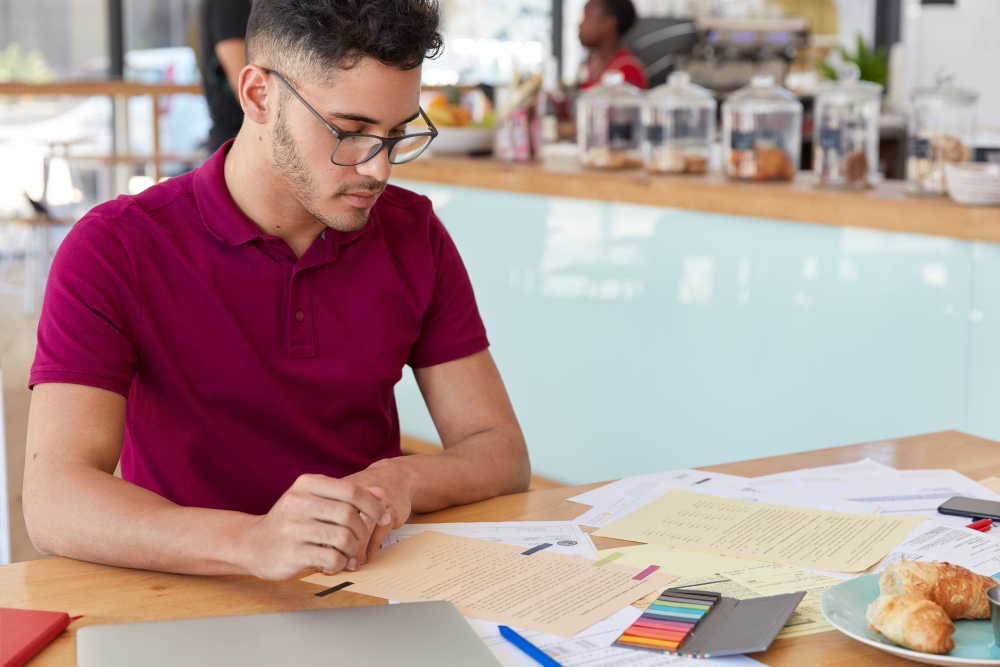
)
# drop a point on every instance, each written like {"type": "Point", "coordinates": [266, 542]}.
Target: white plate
{"type": "Point", "coordinates": [845, 604]}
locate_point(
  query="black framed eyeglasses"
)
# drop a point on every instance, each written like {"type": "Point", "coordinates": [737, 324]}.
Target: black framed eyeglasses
{"type": "Point", "coordinates": [353, 148]}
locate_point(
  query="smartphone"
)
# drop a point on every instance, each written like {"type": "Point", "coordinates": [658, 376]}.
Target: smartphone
{"type": "Point", "coordinates": [970, 507]}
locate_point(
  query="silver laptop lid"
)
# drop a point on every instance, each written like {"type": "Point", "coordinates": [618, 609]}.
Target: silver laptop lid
{"type": "Point", "coordinates": [419, 634]}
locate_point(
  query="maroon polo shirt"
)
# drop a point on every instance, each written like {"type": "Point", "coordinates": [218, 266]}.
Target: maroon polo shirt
{"type": "Point", "coordinates": [243, 366]}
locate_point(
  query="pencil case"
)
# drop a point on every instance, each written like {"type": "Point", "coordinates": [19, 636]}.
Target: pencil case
{"type": "Point", "coordinates": [706, 624]}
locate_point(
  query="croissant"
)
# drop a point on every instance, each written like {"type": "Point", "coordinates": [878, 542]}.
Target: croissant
{"type": "Point", "coordinates": [915, 623]}
{"type": "Point", "coordinates": [960, 592]}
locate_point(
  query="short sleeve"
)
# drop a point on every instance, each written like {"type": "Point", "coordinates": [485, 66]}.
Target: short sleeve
{"type": "Point", "coordinates": [633, 74]}
{"type": "Point", "coordinates": [228, 19]}
{"type": "Point", "coordinates": [89, 325]}
{"type": "Point", "coordinates": [451, 327]}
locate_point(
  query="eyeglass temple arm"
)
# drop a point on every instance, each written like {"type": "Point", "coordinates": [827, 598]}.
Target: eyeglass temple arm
{"type": "Point", "coordinates": [306, 104]}
{"type": "Point", "coordinates": [430, 125]}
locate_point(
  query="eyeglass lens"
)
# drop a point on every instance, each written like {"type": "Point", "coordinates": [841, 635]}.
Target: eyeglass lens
{"type": "Point", "coordinates": [355, 150]}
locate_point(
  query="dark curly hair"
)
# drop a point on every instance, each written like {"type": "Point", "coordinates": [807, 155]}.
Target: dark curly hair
{"type": "Point", "coordinates": [322, 36]}
{"type": "Point", "coordinates": [624, 11]}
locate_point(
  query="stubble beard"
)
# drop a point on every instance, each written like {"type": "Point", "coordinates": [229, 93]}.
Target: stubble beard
{"type": "Point", "coordinates": [292, 168]}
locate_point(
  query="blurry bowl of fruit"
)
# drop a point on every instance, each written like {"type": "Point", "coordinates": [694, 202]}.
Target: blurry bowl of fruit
{"type": "Point", "coordinates": [461, 130]}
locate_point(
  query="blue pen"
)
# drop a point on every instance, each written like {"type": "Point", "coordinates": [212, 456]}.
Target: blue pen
{"type": "Point", "coordinates": [526, 646]}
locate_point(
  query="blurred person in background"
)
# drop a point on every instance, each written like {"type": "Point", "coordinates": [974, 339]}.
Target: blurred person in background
{"type": "Point", "coordinates": [222, 31]}
{"type": "Point", "coordinates": [604, 23]}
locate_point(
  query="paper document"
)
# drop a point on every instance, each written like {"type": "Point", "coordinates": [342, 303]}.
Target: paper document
{"type": "Point", "coordinates": [628, 495]}
{"type": "Point", "coordinates": [684, 477]}
{"type": "Point", "coordinates": [565, 537]}
{"type": "Point", "coordinates": [786, 482]}
{"type": "Point", "coordinates": [548, 592]}
{"type": "Point", "coordinates": [739, 578]}
{"type": "Point", "coordinates": [628, 498]}
{"type": "Point", "coordinates": [590, 648]}
{"type": "Point", "coordinates": [913, 492]}
{"type": "Point", "coordinates": [933, 540]}
{"type": "Point", "coordinates": [801, 536]}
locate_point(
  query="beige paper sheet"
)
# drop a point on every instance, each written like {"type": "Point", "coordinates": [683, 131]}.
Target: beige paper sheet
{"type": "Point", "coordinates": [800, 536]}
{"type": "Point", "coordinates": [991, 483]}
{"type": "Point", "coordinates": [549, 592]}
{"type": "Point", "coordinates": [739, 578]}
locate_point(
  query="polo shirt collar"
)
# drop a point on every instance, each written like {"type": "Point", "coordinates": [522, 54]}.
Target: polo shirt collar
{"type": "Point", "coordinates": [226, 222]}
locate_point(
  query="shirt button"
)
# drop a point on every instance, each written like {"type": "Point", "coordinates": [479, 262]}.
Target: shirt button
{"type": "Point", "coordinates": [299, 315]}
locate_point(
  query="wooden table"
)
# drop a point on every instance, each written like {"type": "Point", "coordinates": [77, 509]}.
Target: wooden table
{"type": "Point", "coordinates": [114, 595]}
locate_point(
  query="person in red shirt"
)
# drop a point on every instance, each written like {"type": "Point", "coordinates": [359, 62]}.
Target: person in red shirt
{"type": "Point", "coordinates": [604, 23]}
{"type": "Point", "coordinates": [232, 336]}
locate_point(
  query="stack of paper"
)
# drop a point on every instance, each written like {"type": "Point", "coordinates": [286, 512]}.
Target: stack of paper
{"type": "Point", "coordinates": [802, 530]}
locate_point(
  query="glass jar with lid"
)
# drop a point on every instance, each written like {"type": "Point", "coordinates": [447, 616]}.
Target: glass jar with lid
{"type": "Point", "coordinates": [846, 130]}
{"type": "Point", "coordinates": [942, 129]}
{"type": "Point", "coordinates": [761, 131]}
{"type": "Point", "coordinates": [680, 127]}
{"type": "Point", "coordinates": [609, 124]}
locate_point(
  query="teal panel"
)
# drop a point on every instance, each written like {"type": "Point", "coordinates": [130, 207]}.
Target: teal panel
{"type": "Point", "coordinates": [983, 417]}
{"type": "Point", "coordinates": [638, 338]}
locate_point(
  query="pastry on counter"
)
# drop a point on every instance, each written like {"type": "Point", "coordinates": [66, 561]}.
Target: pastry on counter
{"type": "Point", "coordinates": [913, 622]}
{"type": "Point", "coordinates": [763, 163]}
{"type": "Point", "coordinates": [960, 592]}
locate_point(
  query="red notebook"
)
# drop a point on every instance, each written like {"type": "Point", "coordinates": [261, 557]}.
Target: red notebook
{"type": "Point", "coordinates": [24, 632]}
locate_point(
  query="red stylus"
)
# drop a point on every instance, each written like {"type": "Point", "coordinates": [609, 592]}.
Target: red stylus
{"type": "Point", "coordinates": [981, 525]}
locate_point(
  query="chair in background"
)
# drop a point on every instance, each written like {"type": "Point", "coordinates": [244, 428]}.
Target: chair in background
{"type": "Point", "coordinates": [26, 238]}
{"type": "Point", "coordinates": [29, 238]}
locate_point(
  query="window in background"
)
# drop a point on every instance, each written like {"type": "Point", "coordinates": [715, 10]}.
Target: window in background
{"type": "Point", "coordinates": [487, 40]}
{"type": "Point", "coordinates": [574, 54]}
{"type": "Point", "coordinates": [40, 41]}
{"type": "Point", "coordinates": [53, 39]}
{"type": "Point", "coordinates": [159, 48]}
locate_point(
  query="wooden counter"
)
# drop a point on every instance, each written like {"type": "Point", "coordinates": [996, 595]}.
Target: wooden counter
{"type": "Point", "coordinates": [88, 87]}
{"type": "Point", "coordinates": [887, 206]}
{"type": "Point", "coordinates": [115, 595]}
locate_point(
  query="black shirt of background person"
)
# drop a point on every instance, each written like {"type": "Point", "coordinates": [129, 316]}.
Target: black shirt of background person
{"type": "Point", "coordinates": [220, 20]}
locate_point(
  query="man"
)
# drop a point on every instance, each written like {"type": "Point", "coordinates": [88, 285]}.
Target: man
{"type": "Point", "coordinates": [604, 23]}
{"type": "Point", "coordinates": [241, 328]}
{"type": "Point", "coordinates": [222, 30]}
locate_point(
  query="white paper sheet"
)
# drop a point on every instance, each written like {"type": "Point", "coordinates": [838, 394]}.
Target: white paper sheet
{"type": "Point", "coordinates": [916, 492]}
{"type": "Point", "coordinates": [564, 536]}
{"type": "Point", "coordinates": [683, 477]}
{"type": "Point", "coordinates": [786, 483]}
{"type": "Point", "coordinates": [630, 497]}
{"type": "Point", "coordinates": [590, 648]}
{"type": "Point", "coordinates": [933, 540]}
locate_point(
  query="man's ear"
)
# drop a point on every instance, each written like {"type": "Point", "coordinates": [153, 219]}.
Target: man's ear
{"type": "Point", "coordinates": [253, 94]}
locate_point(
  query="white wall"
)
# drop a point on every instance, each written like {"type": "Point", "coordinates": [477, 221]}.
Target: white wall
{"type": "Point", "coordinates": [962, 38]}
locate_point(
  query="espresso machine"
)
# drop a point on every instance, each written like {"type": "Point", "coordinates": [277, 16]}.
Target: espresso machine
{"type": "Point", "coordinates": [729, 51]}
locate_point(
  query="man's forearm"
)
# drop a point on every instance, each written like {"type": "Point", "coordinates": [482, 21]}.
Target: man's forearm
{"type": "Point", "coordinates": [484, 465]}
{"type": "Point", "coordinates": [84, 513]}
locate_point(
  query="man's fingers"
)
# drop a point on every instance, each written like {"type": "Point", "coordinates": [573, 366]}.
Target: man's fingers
{"type": "Point", "coordinates": [327, 561]}
{"type": "Point", "coordinates": [348, 492]}
{"type": "Point", "coordinates": [341, 514]}
{"type": "Point", "coordinates": [335, 537]}
{"type": "Point", "coordinates": [375, 542]}
{"type": "Point", "coordinates": [363, 544]}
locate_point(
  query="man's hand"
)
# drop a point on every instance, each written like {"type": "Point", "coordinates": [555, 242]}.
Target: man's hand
{"type": "Point", "coordinates": [319, 522]}
{"type": "Point", "coordinates": [391, 484]}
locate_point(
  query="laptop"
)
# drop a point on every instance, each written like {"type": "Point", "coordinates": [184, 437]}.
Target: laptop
{"type": "Point", "coordinates": [417, 634]}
